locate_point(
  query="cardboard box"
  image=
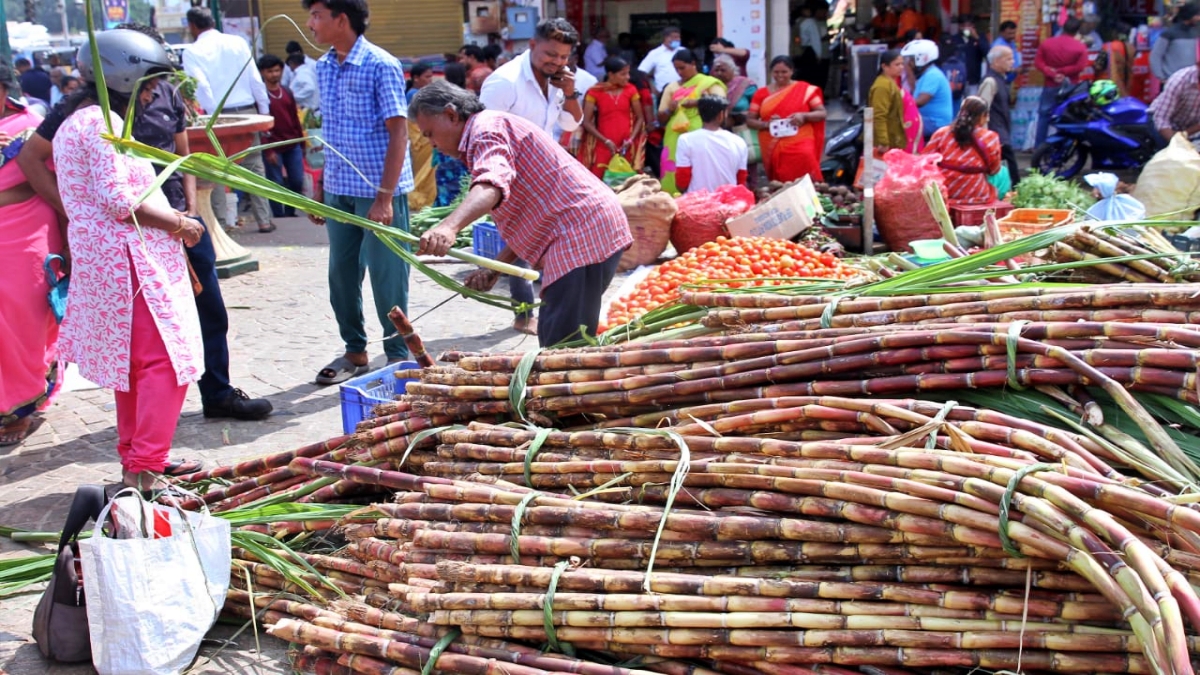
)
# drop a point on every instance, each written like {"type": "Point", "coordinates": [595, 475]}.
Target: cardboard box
{"type": "Point", "coordinates": [784, 216]}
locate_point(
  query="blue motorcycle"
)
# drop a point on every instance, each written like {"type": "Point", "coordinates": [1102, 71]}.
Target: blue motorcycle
{"type": "Point", "coordinates": [1091, 120]}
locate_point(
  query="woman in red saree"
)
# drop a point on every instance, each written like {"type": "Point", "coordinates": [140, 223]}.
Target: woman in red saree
{"type": "Point", "coordinates": [970, 153]}
{"type": "Point", "coordinates": [614, 120]}
{"type": "Point", "coordinates": [29, 231]}
{"type": "Point", "coordinates": [787, 157]}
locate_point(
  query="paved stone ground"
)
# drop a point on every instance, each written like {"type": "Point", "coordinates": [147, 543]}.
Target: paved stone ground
{"type": "Point", "coordinates": [282, 332]}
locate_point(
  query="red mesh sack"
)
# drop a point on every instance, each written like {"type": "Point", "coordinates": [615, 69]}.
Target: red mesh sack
{"type": "Point", "coordinates": [900, 210]}
{"type": "Point", "coordinates": [701, 216]}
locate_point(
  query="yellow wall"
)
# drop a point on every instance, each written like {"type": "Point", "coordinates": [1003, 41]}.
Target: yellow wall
{"type": "Point", "coordinates": [403, 27]}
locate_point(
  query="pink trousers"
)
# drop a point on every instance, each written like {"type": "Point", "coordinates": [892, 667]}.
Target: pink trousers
{"type": "Point", "coordinates": [148, 413]}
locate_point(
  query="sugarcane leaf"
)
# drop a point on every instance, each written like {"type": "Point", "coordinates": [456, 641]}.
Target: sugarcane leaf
{"type": "Point", "coordinates": [421, 436]}
{"type": "Point", "coordinates": [548, 612]}
{"type": "Point", "coordinates": [535, 446]}
{"type": "Point", "coordinates": [674, 486]}
{"type": "Point", "coordinates": [941, 273]}
{"type": "Point", "coordinates": [220, 170]}
{"type": "Point", "coordinates": [518, 386]}
{"type": "Point", "coordinates": [435, 652]}
{"type": "Point", "coordinates": [514, 547]}
{"type": "Point", "coordinates": [97, 68]}
{"type": "Point", "coordinates": [275, 554]}
{"type": "Point", "coordinates": [264, 147]}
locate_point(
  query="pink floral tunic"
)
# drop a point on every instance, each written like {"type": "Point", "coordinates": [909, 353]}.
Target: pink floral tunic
{"type": "Point", "coordinates": [100, 188]}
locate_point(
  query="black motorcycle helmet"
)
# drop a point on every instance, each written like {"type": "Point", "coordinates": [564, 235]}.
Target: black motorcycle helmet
{"type": "Point", "coordinates": [126, 57]}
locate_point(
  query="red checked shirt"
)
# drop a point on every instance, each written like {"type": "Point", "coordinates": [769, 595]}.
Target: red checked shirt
{"type": "Point", "coordinates": [554, 214]}
{"type": "Point", "coordinates": [1178, 107]}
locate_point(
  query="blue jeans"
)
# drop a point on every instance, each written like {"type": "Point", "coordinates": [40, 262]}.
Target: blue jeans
{"type": "Point", "coordinates": [354, 251]}
{"type": "Point", "coordinates": [290, 159]}
{"type": "Point", "coordinates": [214, 322]}
{"type": "Point", "coordinates": [1046, 107]}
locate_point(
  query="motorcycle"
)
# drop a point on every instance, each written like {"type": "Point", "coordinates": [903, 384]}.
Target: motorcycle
{"type": "Point", "coordinates": [843, 151]}
{"type": "Point", "coordinates": [1116, 136]}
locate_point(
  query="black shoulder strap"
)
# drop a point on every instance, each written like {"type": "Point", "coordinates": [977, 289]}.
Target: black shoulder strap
{"type": "Point", "coordinates": [88, 503]}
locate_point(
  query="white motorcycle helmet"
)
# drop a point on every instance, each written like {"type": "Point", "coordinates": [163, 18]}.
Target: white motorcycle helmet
{"type": "Point", "coordinates": [922, 52]}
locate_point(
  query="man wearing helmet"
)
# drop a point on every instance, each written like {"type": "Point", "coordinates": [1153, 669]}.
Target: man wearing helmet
{"type": "Point", "coordinates": [933, 95]}
{"type": "Point", "coordinates": [1177, 109]}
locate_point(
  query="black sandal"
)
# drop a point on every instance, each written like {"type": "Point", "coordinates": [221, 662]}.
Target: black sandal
{"type": "Point", "coordinates": [182, 467]}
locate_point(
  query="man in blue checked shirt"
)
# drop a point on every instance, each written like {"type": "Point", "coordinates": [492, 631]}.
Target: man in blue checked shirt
{"type": "Point", "coordinates": [367, 172]}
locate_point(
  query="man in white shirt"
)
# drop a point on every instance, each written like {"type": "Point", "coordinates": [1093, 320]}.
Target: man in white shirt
{"type": "Point", "coordinates": [596, 53]}
{"type": "Point", "coordinates": [222, 63]}
{"type": "Point", "coordinates": [538, 85]}
{"type": "Point", "coordinates": [658, 63]}
{"type": "Point", "coordinates": [294, 47]}
{"type": "Point", "coordinates": [710, 157]}
{"type": "Point", "coordinates": [304, 87]}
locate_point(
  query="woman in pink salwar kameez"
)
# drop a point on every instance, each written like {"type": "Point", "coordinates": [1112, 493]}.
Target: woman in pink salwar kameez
{"type": "Point", "coordinates": [131, 321]}
{"type": "Point", "coordinates": [29, 231]}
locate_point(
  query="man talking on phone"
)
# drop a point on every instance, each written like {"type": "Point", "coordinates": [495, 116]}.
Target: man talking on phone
{"type": "Point", "coordinates": [539, 87]}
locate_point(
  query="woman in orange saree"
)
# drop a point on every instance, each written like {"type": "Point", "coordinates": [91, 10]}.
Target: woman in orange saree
{"type": "Point", "coordinates": [789, 156]}
{"type": "Point", "coordinates": [29, 231]}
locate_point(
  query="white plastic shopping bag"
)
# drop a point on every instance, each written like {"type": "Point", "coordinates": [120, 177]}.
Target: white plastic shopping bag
{"type": "Point", "coordinates": [152, 598]}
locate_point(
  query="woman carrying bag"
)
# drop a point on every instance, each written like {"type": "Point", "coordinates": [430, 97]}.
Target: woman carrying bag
{"type": "Point", "coordinates": [677, 109]}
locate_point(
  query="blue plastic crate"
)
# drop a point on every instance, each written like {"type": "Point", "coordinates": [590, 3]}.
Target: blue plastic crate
{"type": "Point", "coordinates": [485, 239]}
{"type": "Point", "coordinates": [361, 394]}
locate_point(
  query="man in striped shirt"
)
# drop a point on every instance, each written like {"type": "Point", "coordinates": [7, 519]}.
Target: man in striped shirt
{"type": "Point", "coordinates": [550, 210]}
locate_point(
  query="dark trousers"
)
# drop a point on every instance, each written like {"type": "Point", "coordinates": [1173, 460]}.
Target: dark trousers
{"type": "Point", "coordinates": [214, 322]}
{"type": "Point", "coordinates": [290, 160]}
{"type": "Point", "coordinates": [573, 301]}
{"type": "Point", "coordinates": [521, 290]}
{"type": "Point", "coordinates": [1010, 158]}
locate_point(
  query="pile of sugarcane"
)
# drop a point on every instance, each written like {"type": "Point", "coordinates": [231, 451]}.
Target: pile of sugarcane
{"type": "Point", "coordinates": [1119, 256]}
{"type": "Point", "coordinates": [939, 536]}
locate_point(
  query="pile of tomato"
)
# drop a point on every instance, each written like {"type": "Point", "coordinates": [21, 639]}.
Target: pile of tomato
{"type": "Point", "coordinates": [754, 259]}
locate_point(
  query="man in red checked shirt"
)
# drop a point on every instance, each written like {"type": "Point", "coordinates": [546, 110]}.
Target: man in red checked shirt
{"type": "Point", "coordinates": [550, 210]}
{"type": "Point", "coordinates": [1060, 59]}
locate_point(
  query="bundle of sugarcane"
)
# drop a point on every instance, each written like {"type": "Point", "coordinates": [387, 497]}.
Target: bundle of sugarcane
{"type": "Point", "coordinates": [270, 480]}
{"type": "Point", "coordinates": [1110, 561]}
{"type": "Point", "coordinates": [570, 388]}
{"type": "Point", "coordinates": [1147, 257]}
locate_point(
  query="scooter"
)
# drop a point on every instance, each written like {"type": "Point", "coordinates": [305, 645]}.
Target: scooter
{"type": "Point", "coordinates": [843, 151]}
{"type": "Point", "coordinates": [1117, 136]}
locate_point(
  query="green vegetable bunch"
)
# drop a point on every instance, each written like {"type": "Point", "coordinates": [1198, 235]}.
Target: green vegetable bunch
{"type": "Point", "coordinates": [1038, 191]}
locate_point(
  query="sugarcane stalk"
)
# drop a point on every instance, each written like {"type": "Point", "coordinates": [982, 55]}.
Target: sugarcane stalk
{"type": "Point", "coordinates": [416, 348]}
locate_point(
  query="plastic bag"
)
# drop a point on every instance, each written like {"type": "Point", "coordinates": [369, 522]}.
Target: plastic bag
{"type": "Point", "coordinates": [702, 215]}
{"type": "Point", "coordinates": [1001, 181]}
{"type": "Point", "coordinates": [650, 212]}
{"type": "Point", "coordinates": [900, 209]}
{"type": "Point", "coordinates": [1170, 182]}
{"type": "Point", "coordinates": [618, 171]}
{"type": "Point", "coordinates": [1113, 206]}
{"type": "Point", "coordinates": [152, 598]}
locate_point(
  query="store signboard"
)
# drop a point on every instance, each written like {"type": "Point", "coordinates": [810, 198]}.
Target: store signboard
{"type": "Point", "coordinates": [744, 23]}
{"type": "Point", "coordinates": [680, 6]}
{"type": "Point", "coordinates": [115, 12]}
{"type": "Point", "coordinates": [1028, 16]}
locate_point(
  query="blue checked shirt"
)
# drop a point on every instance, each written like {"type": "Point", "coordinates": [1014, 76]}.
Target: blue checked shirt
{"type": "Point", "coordinates": [357, 97]}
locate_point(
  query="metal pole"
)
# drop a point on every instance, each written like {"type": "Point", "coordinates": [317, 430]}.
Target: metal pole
{"type": "Point", "coordinates": [5, 47]}
{"type": "Point", "coordinates": [868, 216]}
{"type": "Point", "coordinates": [66, 27]}
{"type": "Point", "coordinates": [215, 6]}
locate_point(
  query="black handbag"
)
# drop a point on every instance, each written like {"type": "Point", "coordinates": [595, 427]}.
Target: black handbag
{"type": "Point", "coordinates": [60, 624]}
